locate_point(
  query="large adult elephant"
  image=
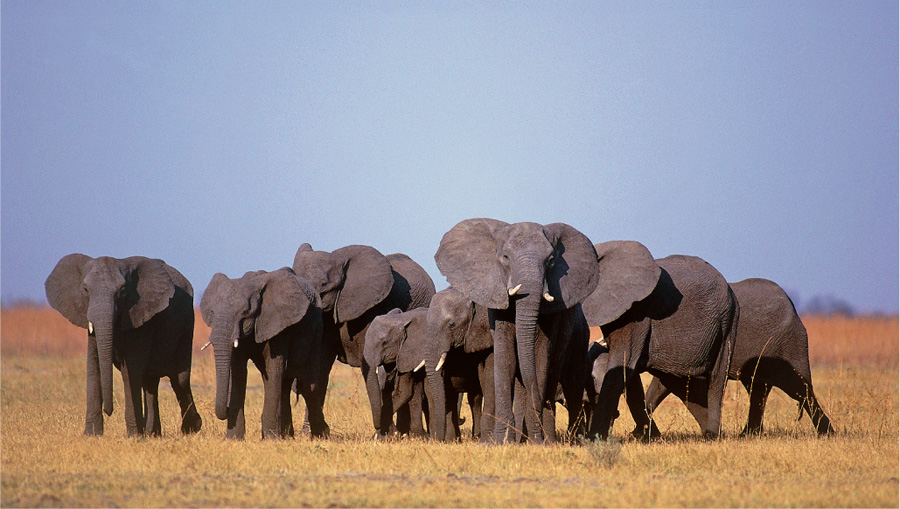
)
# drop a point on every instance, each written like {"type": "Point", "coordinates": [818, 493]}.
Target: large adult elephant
{"type": "Point", "coordinates": [356, 284]}
{"type": "Point", "coordinates": [275, 320]}
{"type": "Point", "coordinates": [459, 359]}
{"type": "Point", "coordinates": [396, 342]}
{"type": "Point", "coordinates": [531, 277]}
{"type": "Point", "coordinates": [771, 349]}
{"type": "Point", "coordinates": [673, 317]}
{"type": "Point", "coordinates": [139, 316]}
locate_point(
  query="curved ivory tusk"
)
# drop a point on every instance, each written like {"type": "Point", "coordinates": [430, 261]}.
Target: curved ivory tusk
{"type": "Point", "coordinates": [515, 290]}
{"type": "Point", "coordinates": [419, 366]}
{"type": "Point", "coordinates": [440, 362]}
{"type": "Point", "coordinates": [548, 297]}
{"type": "Point", "coordinates": [90, 327]}
{"type": "Point", "coordinates": [235, 343]}
{"type": "Point", "coordinates": [376, 369]}
{"type": "Point", "coordinates": [204, 347]}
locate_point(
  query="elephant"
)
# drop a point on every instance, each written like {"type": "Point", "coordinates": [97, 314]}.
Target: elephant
{"type": "Point", "coordinates": [357, 283]}
{"type": "Point", "coordinates": [770, 350]}
{"type": "Point", "coordinates": [459, 359]}
{"type": "Point", "coordinates": [139, 316]}
{"type": "Point", "coordinates": [396, 343]}
{"type": "Point", "coordinates": [675, 317]}
{"type": "Point", "coordinates": [275, 320]}
{"type": "Point", "coordinates": [530, 277]}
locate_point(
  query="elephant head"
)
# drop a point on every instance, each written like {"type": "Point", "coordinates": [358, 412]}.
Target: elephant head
{"type": "Point", "coordinates": [351, 280]}
{"type": "Point", "coordinates": [627, 274]}
{"type": "Point", "coordinates": [397, 338]}
{"type": "Point", "coordinates": [541, 268]}
{"type": "Point", "coordinates": [252, 308]}
{"type": "Point", "coordinates": [104, 295]}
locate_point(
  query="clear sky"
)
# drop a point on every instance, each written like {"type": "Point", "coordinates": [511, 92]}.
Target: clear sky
{"type": "Point", "coordinates": [761, 136]}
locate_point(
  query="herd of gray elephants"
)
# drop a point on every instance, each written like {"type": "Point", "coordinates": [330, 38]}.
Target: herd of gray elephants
{"type": "Point", "coordinates": [513, 332]}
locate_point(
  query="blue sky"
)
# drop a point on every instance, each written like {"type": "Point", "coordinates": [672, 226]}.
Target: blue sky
{"type": "Point", "coordinates": [219, 137]}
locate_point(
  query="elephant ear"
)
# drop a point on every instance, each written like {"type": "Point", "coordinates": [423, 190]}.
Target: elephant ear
{"type": "Point", "coordinates": [207, 303]}
{"type": "Point", "coordinates": [478, 335]}
{"type": "Point", "coordinates": [152, 288]}
{"type": "Point", "coordinates": [63, 289]}
{"type": "Point", "coordinates": [367, 281]}
{"type": "Point", "coordinates": [467, 257]}
{"type": "Point", "coordinates": [628, 274]}
{"type": "Point", "coordinates": [285, 299]}
{"type": "Point", "coordinates": [412, 351]}
{"type": "Point", "coordinates": [574, 274]}
{"type": "Point", "coordinates": [179, 280]}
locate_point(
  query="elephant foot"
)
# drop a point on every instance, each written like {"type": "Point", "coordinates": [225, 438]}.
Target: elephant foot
{"type": "Point", "coordinates": [232, 434]}
{"type": "Point", "coordinates": [754, 431]}
{"type": "Point", "coordinates": [191, 423]}
{"type": "Point", "coordinates": [93, 428]}
{"type": "Point", "coordinates": [646, 432]}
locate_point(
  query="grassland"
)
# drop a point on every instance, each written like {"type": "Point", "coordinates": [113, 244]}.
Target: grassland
{"type": "Point", "coordinates": [46, 461]}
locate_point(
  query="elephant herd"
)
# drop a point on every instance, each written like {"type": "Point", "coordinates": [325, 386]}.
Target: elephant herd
{"type": "Point", "coordinates": [512, 332]}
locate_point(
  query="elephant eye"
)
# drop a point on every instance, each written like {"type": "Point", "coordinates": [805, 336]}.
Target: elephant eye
{"type": "Point", "coordinates": [504, 259]}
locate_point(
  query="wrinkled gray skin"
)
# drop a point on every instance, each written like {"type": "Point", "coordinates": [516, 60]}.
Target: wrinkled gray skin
{"type": "Point", "coordinates": [395, 344]}
{"type": "Point", "coordinates": [356, 284]}
{"type": "Point", "coordinates": [682, 330]}
{"type": "Point", "coordinates": [461, 343]}
{"type": "Point", "coordinates": [530, 277]}
{"type": "Point", "coordinates": [770, 350]}
{"type": "Point", "coordinates": [140, 317]}
{"type": "Point", "coordinates": [275, 320]}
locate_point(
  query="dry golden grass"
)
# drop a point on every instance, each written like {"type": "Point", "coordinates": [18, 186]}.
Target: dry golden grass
{"type": "Point", "coordinates": [46, 461]}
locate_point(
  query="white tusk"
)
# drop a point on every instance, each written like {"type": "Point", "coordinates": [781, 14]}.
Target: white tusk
{"type": "Point", "coordinates": [90, 327]}
{"type": "Point", "coordinates": [235, 343]}
{"type": "Point", "coordinates": [548, 297]}
{"type": "Point", "coordinates": [376, 369]}
{"type": "Point", "coordinates": [513, 291]}
{"type": "Point", "coordinates": [440, 362]}
{"type": "Point", "coordinates": [204, 347]}
{"type": "Point", "coordinates": [602, 342]}
{"type": "Point", "coordinates": [419, 366]}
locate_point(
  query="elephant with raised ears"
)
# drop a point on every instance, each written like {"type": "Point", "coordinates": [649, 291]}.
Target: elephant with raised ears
{"type": "Point", "coordinates": [275, 320]}
{"type": "Point", "coordinates": [531, 277]}
{"type": "Point", "coordinates": [459, 359]}
{"type": "Point", "coordinates": [139, 316]}
{"type": "Point", "coordinates": [770, 350]}
{"type": "Point", "coordinates": [357, 283]}
{"type": "Point", "coordinates": [395, 347]}
{"type": "Point", "coordinates": [675, 318]}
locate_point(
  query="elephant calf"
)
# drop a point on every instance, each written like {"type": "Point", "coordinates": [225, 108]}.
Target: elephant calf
{"type": "Point", "coordinates": [770, 350]}
{"type": "Point", "coordinates": [275, 320]}
{"type": "Point", "coordinates": [139, 314]}
{"type": "Point", "coordinates": [395, 343]}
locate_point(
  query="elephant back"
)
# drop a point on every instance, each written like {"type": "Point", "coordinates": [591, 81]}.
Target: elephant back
{"type": "Point", "coordinates": [413, 287]}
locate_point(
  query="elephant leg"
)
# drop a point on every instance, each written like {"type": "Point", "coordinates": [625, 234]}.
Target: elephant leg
{"type": "Point", "coordinates": [93, 419]}
{"type": "Point", "coordinates": [605, 409]}
{"type": "Point", "coordinates": [574, 394]}
{"type": "Point", "coordinates": [520, 431]}
{"type": "Point", "coordinates": [640, 413]}
{"type": "Point", "coordinates": [802, 392]}
{"type": "Point", "coordinates": [417, 427]}
{"type": "Point", "coordinates": [273, 394]}
{"type": "Point", "coordinates": [287, 417]}
{"type": "Point", "coordinates": [476, 401]}
{"type": "Point", "coordinates": [151, 406]}
{"type": "Point", "coordinates": [134, 406]}
{"type": "Point", "coordinates": [486, 376]}
{"type": "Point", "coordinates": [759, 394]}
{"type": "Point", "coordinates": [504, 375]}
{"type": "Point", "coordinates": [235, 427]}
{"type": "Point", "coordinates": [190, 418]}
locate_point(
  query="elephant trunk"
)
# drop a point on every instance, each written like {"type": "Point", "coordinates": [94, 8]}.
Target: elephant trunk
{"type": "Point", "coordinates": [223, 350]}
{"type": "Point", "coordinates": [371, 362]}
{"type": "Point", "coordinates": [101, 317]}
{"type": "Point", "coordinates": [532, 287]}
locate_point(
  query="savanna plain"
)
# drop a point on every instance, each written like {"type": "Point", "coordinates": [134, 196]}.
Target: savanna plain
{"type": "Point", "coordinates": [46, 461]}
